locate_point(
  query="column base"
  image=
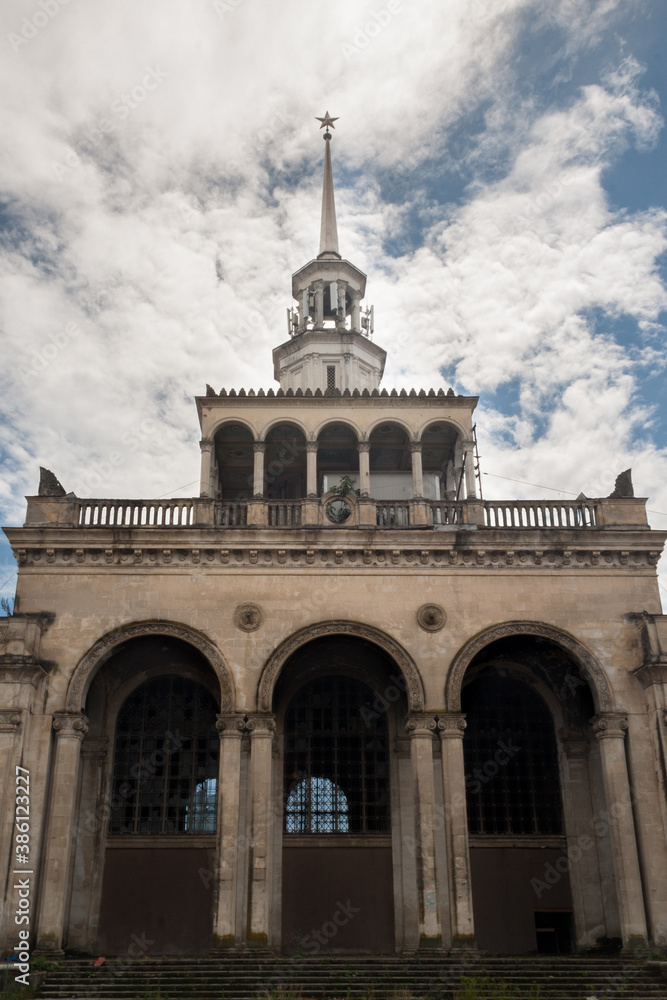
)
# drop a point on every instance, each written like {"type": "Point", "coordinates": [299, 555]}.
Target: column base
{"type": "Point", "coordinates": [430, 943]}
{"type": "Point", "coordinates": [635, 947]}
{"type": "Point", "coordinates": [463, 944]}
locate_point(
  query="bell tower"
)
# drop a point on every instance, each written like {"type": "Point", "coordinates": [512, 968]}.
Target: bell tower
{"type": "Point", "coordinates": [330, 345]}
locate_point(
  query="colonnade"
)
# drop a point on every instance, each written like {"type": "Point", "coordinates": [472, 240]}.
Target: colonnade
{"type": "Point", "coordinates": [437, 893]}
{"type": "Point", "coordinates": [464, 452]}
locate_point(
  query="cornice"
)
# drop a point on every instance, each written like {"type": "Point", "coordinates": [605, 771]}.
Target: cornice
{"type": "Point", "coordinates": [343, 401]}
{"type": "Point", "coordinates": [140, 550]}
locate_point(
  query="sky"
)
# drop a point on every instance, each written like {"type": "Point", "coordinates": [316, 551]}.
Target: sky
{"type": "Point", "coordinates": [500, 176]}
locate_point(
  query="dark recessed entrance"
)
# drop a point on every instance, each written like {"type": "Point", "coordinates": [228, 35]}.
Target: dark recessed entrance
{"type": "Point", "coordinates": [337, 855]}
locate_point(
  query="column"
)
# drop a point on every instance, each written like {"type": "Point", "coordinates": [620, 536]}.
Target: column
{"type": "Point", "coordinates": [318, 321]}
{"type": "Point", "coordinates": [420, 730]}
{"type": "Point", "coordinates": [452, 727]}
{"type": "Point", "coordinates": [70, 728]}
{"type": "Point", "coordinates": [311, 468]}
{"type": "Point", "coordinates": [262, 729]}
{"type": "Point", "coordinates": [206, 448]}
{"type": "Point", "coordinates": [230, 728]}
{"type": "Point", "coordinates": [610, 729]}
{"type": "Point", "coordinates": [258, 470]}
{"type": "Point", "coordinates": [469, 458]}
{"type": "Point", "coordinates": [10, 755]}
{"type": "Point", "coordinates": [589, 916]}
{"type": "Point", "coordinates": [356, 312]}
{"type": "Point", "coordinates": [417, 475]}
{"type": "Point", "coordinates": [364, 448]}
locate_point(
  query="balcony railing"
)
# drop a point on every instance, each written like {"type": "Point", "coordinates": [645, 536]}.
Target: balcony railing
{"type": "Point", "coordinates": [538, 514]}
{"type": "Point", "coordinates": [137, 513]}
{"type": "Point", "coordinates": [202, 512]}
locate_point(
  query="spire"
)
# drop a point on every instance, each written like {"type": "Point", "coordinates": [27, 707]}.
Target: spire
{"type": "Point", "coordinates": [328, 230]}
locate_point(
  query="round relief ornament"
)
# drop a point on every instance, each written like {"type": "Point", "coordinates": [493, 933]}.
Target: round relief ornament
{"type": "Point", "coordinates": [431, 617]}
{"type": "Point", "coordinates": [248, 617]}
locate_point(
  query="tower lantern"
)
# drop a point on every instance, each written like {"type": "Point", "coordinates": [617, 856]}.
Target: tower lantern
{"type": "Point", "coordinates": [330, 344]}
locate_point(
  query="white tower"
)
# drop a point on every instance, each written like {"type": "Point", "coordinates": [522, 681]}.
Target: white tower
{"type": "Point", "coordinates": [330, 345]}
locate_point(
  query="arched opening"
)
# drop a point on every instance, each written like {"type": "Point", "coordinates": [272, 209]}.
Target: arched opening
{"type": "Point", "coordinates": [526, 702]}
{"type": "Point", "coordinates": [337, 456]}
{"type": "Point", "coordinates": [390, 462]}
{"type": "Point", "coordinates": [443, 474]}
{"type": "Point", "coordinates": [148, 801]}
{"type": "Point", "coordinates": [285, 463]}
{"type": "Point", "coordinates": [338, 791]}
{"type": "Point", "coordinates": [234, 462]}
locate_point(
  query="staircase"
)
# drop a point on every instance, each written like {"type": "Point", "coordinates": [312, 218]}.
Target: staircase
{"type": "Point", "coordinates": [247, 976]}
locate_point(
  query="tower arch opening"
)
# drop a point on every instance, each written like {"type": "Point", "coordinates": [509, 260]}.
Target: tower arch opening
{"type": "Point", "coordinates": [285, 462]}
{"type": "Point", "coordinates": [233, 462]}
{"type": "Point", "coordinates": [337, 456]}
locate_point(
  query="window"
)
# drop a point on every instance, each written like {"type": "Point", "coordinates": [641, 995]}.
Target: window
{"type": "Point", "coordinates": [316, 805]}
{"type": "Point", "coordinates": [331, 377]}
{"type": "Point", "coordinates": [511, 761]}
{"type": "Point", "coordinates": [336, 760]}
{"type": "Point", "coordinates": [165, 773]}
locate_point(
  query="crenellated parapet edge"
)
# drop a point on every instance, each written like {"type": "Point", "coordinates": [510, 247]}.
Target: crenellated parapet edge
{"type": "Point", "coordinates": [459, 549]}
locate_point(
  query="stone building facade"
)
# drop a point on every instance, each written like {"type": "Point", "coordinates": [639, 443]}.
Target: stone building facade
{"type": "Point", "coordinates": [338, 701]}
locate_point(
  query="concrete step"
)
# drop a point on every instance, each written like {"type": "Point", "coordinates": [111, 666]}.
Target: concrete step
{"type": "Point", "coordinates": [250, 976]}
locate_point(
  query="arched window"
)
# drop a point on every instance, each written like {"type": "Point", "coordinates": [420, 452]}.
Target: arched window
{"type": "Point", "coordinates": [511, 759]}
{"type": "Point", "coordinates": [336, 759]}
{"type": "Point", "coordinates": [165, 773]}
{"type": "Point", "coordinates": [316, 805]}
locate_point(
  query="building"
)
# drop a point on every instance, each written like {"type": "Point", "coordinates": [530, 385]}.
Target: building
{"type": "Point", "coordinates": [337, 701]}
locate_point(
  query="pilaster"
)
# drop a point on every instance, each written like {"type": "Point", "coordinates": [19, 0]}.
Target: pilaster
{"type": "Point", "coordinates": [262, 730]}
{"type": "Point", "coordinates": [420, 730]}
{"type": "Point", "coordinates": [230, 728]}
{"type": "Point", "coordinates": [70, 729]}
{"type": "Point", "coordinates": [610, 729]}
{"type": "Point", "coordinates": [451, 726]}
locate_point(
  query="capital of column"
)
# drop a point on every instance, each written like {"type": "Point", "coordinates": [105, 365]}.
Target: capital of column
{"type": "Point", "coordinates": [416, 447]}
{"type": "Point", "coordinates": [363, 447]}
{"type": "Point", "coordinates": [311, 447]}
{"type": "Point", "coordinates": [259, 447]}
{"type": "Point", "coordinates": [420, 725]}
{"type": "Point", "coordinates": [70, 725]}
{"type": "Point", "coordinates": [610, 725]}
{"type": "Point", "coordinates": [10, 721]}
{"type": "Point", "coordinates": [206, 444]}
{"type": "Point", "coordinates": [230, 726]}
{"type": "Point", "coordinates": [452, 725]}
{"type": "Point", "coordinates": [261, 726]}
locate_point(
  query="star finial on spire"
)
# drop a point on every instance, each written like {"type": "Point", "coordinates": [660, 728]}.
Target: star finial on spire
{"type": "Point", "coordinates": [326, 121]}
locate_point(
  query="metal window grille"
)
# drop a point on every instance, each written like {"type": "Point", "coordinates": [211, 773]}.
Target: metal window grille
{"type": "Point", "coordinates": [511, 760]}
{"type": "Point", "coordinates": [165, 773]}
{"type": "Point", "coordinates": [336, 760]}
{"type": "Point", "coordinates": [331, 376]}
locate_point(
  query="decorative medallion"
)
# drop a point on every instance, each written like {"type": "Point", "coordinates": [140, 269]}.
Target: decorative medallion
{"type": "Point", "coordinates": [431, 617]}
{"type": "Point", "coordinates": [248, 617]}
